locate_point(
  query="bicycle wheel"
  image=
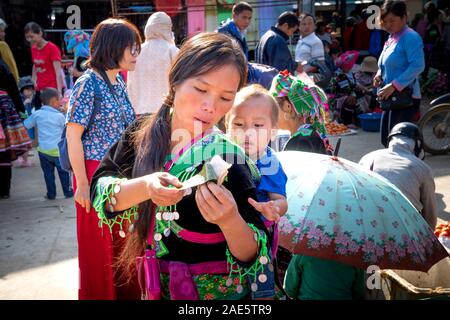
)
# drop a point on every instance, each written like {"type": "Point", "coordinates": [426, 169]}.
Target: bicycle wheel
{"type": "Point", "coordinates": [435, 126]}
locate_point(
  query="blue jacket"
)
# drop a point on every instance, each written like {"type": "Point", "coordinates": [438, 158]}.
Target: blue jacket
{"type": "Point", "coordinates": [231, 29]}
{"type": "Point", "coordinates": [261, 74]}
{"type": "Point", "coordinates": [273, 50]}
{"type": "Point", "coordinates": [402, 60]}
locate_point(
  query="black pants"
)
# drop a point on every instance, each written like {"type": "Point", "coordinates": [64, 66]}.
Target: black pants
{"type": "Point", "coordinates": [390, 118]}
{"type": "Point", "coordinates": [5, 180]}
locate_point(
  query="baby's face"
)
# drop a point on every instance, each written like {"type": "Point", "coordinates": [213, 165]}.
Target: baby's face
{"type": "Point", "coordinates": [250, 125]}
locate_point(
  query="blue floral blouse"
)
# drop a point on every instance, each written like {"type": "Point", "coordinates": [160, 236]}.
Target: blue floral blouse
{"type": "Point", "coordinates": [108, 123]}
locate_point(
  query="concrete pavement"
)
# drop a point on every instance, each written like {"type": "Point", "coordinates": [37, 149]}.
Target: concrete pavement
{"type": "Point", "coordinates": [38, 248]}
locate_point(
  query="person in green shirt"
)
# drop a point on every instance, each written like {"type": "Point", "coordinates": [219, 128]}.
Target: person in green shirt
{"type": "Point", "coordinates": [311, 278]}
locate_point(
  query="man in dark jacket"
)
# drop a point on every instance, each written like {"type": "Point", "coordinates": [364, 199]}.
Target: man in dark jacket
{"type": "Point", "coordinates": [273, 49]}
{"type": "Point", "coordinates": [260, 74]}
{"type": "Point", "coordinates": [242, 16]}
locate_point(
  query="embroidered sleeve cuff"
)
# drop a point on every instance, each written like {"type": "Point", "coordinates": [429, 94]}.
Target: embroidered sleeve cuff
{"type": "Point", "coordinates": [105, 191]}
{"type": "Point", "coordinates": [254, 270]}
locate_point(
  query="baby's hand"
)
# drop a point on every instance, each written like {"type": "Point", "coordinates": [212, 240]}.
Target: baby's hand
{"type": "Point", "coordinates": [268, 209]}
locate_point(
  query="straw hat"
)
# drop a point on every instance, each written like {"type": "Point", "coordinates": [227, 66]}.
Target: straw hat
{"type": "Point", "coordinates": [369, 64]}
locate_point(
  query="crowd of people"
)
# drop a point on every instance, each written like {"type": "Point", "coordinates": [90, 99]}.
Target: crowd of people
{"type": "Point", "coordinates": [141, 116]}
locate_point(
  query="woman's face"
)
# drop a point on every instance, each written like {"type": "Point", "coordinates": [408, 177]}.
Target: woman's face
{"type": "Point", "coordinates": [33, 38]}
{"type": "Point", "coordinates": [393, 24]}
{"type": "Point", "coordinates": [129, 58]}
{"type": "Point", "coordinates": [200, 102]}
{"type": "Point", "coordinates": [2, 34]}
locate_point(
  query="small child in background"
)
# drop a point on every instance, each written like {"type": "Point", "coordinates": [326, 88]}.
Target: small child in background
{"type": "Point", "coordinates": [26, 88]}
{"type": "Point", "coordinates": [50, 123]}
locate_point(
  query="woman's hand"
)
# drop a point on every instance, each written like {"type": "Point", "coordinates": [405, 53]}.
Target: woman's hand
{"type": "Point", "coordinates": [82, 196]}
{"type": "Point", "coordinates": [216, 204]}
{"type": "Point", "coordinates": [157, 185]}
{"type": "Point", "coordinates": [377, 81]}
{"type": "Point", "coordinates": [386, 91]}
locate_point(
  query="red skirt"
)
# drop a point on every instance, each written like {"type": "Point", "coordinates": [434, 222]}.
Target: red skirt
{"type": "Point", "coordinates": [97, 251]}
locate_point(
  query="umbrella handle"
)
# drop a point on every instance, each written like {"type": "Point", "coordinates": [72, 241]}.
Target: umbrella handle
{"type": "Point", "coordinates": [336, 150]}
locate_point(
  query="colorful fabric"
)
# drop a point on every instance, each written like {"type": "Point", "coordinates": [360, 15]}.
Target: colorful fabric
{"type": "Point", "coordinates": [185, 166]}
{"type": "Point", "coordinates": [77, 41]}
{"type": "Point", "coordinates": [347, 60]}
{"type": "Point", "coordinates": [14, 137]}
{"type": "Point", "coordinates": [108, 123]}
{"type": "Point", "coordinates": [43, 64]}
{"type": "Point", "coordinates": [105, 189]}
{"type": "Point", "coordinates": [208, 286]}
{"type": "Point", "coordinates": [309, 101]}
{"type": "Point", "coordinates": [212, 287]}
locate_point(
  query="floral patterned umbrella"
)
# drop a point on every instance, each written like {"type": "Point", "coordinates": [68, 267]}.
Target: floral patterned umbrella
{"type": "Point", "coordinates": [340, 211]}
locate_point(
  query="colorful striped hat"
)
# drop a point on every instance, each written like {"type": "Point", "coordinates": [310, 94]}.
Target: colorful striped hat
{"type": "Point", "coordinates": [309, 100]}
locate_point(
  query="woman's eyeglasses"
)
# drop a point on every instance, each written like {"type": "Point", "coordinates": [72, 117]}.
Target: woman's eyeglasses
{"type": "Point", "coordinates": [134, 50]}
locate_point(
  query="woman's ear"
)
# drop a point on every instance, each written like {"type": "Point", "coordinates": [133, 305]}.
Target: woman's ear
{"type": "Point", "coordinates": [289, 112]}
{"type": "Point", "coordinates": [291, 108]}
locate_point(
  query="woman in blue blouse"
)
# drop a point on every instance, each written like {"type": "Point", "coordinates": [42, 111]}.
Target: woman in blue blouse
{"type": "Point", "coordinates": [115, 46]}
{"type": "Point", "coordinates": [400, 64]}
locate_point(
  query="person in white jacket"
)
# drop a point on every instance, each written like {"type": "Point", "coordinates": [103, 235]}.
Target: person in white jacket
{"type": "Point", "coordinates": [148, 84]}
